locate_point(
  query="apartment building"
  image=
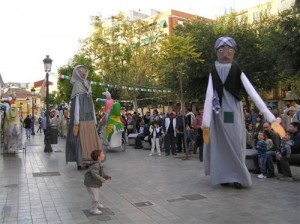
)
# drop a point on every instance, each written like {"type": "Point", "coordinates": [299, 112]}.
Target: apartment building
{"type": "Point", "coordinates": [272, 7]}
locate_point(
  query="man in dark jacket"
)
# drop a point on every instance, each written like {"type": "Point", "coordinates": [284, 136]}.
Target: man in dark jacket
{"type": "Point", "coordinates": [27, 125]}
{"type": "Point", "coordinates": [271, 153]}
{"type": "Point", "coordinates": [169, 126]}
{"type": "Point", "coordinates": [180, 131]}
{"type": "Point", "coordinates": [141, 136]}
{"type": "Point", "coordinates": [295, 156]}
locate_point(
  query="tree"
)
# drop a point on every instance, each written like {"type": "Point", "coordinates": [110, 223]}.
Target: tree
{"type": "Point", "coordinates": [288, 47]}
{"type": "Point", "coordinates": [252, 55]}
{"type": "Point", "coordinates": [124, 53]}
{"type": "Point", "coordinates": [176, 54]}
{"type": "Point", "coordinates": [203, 35]}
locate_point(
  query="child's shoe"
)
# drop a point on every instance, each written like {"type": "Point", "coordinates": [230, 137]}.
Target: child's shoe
{"type": "Point", "coordinates": [159, 154]}
{"type": "Point", "coordinates": [150, 154]}
{"type": "Point", "coordinates": [100, 206]}
{"type": "Point", "coordinates": [95, 211]}
{"type": "Point", "coordinates": [261, 176]}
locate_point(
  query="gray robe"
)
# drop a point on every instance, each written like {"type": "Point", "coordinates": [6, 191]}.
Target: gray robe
{"type": "Point", "coordinates": [224, 156]}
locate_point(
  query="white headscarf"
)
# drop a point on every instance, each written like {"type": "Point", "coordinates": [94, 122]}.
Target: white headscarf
{"type": "Point", "coordinates": [80, 85]}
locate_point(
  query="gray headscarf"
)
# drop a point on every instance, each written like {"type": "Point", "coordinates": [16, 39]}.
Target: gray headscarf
{"type": "Point", "coordinates": [225, 41]}
{"type": "Point", "coordinates": [80, 85]}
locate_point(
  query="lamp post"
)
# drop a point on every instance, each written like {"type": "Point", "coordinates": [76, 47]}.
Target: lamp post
{"type": "Point", "coordinates": [27, 101]}
{"type": "Point", "coordinates": [21, 109]}
{"type": "Point", "coordinates": [47, 65]}
{"type": "Point", "coordinates": [32, 104]}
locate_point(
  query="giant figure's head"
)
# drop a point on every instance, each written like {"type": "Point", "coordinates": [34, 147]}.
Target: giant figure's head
{"type": "Point", "coordinates": [80, 72]}
{"type": "Point", "coordinates": [13, 114]}
{"type": "Point", "coordinates": [225, 48]}
{"type": "Point", "coordinates": [107, 94]}
{"type": "Point", "coordinates": [79, 82]}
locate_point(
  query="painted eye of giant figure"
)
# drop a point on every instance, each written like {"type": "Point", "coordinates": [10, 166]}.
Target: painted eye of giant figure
{"type": "Point", "coordinates": [13, 111]}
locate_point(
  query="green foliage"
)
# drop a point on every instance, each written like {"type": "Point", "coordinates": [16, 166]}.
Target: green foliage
{"type": "Point", "coordinates": [176, 54]}
{"type": "Point", "coordinates": [65, 87]}
{"type": "Point", "coordinates": [258, 53]}
{"type": "Point", "coordinates": [288, 32]}
{"type": "Point", "coordinates": [136, 54]}
{"type": "Point", "coordinates": [124, 53]}
{"type": "Point", "coordinates": [204, 36]}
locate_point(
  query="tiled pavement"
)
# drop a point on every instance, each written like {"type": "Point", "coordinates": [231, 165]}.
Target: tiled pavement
{"type": "Point", "coordinates": [41, 188]}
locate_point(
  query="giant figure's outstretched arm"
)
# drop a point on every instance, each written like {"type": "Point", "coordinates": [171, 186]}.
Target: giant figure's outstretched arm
{"type": "Point", "coordinates": [259, 103]}
{"type": "Point", "coordinates": [76, 117]}
{"type": "Point", "coordinates": [101, 100]}
{"type": "Point", "coordinates": [207, 112]}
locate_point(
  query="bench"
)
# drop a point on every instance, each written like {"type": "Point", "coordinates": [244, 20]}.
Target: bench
{"type": "Point", "coordinates": [294, 161]}
{"type": "Point", "coordinates": [131, 138]}
{"type": "Point", "coordinates": [248, 160]}
{"type": "Point", "coordinates": [145, 143]}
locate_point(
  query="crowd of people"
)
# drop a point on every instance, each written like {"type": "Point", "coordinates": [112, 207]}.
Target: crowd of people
{"type": "Point", "coordinates": [59, 118]}
{"type": "Point", "coordinates": [271, 148]}
{"type": "Point", "coordinates": [167, 129]}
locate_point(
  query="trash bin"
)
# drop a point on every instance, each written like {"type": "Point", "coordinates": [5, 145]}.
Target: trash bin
{"type": "Point", "coordinates": [53, 134]}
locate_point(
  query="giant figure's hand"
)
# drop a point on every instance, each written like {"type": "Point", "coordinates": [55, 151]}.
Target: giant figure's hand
{"type": "Point", "coordinates": [119, 126]}
{"type": "Point", "coordinates": [100, 100]}
{"type": "Point", "coordinates": [278, 128]}
{"type": "Point", "coordinates": [206, 135]}
{"type": "Point", "coordinates": [75, 130]}
{"type": "Point", "coordinates": [107, 177]}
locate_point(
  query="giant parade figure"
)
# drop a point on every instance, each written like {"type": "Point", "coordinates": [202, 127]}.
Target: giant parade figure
{"type": "Point", "coordinates": [224, 131]}
{"type": "Point", "coordinates": [82, 137]}
{"type": "Point", "coordinates": [12, 130]}
{"type": "Point", "coordinates": [107, 106]}
{"type": "Point", "coordinates": [111, 125]}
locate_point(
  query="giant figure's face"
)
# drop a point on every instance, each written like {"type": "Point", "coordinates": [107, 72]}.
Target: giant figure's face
{"type": "Point", "coordinates": [225, 54]}
{"type": "Point", "coordinates": [66, 113]}
{"type": "Point", "coordinates": [13, 111]}
{"type": "Point", "coordinates": [82, 71]}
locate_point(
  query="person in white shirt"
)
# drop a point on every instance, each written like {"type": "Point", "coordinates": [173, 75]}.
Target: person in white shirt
{"type": "Point", "coordinates": [155, 133]}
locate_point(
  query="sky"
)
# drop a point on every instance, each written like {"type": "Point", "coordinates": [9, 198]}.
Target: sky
{"type": "Point", "coordinates": [32, 29]}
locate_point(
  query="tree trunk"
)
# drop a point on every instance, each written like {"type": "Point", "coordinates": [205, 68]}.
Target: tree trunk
{"type": "Point", "coordinates": [135, 105]}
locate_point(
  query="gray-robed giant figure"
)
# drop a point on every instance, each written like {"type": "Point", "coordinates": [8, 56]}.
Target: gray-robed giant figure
{"type": "Point", "coordinates": [82, 136]}
{"type": "Point", "coordinates": [223, 119]}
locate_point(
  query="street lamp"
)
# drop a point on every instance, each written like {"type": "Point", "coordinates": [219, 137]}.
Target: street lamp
{"type": "Point", "coordinates": [47, 65]}
{"type": "Point", "coordinates": [32, 94]}
{"type": "Point", "coordinates": [27, 101]}
{"type": "Point", "coordinates": [21, 109]}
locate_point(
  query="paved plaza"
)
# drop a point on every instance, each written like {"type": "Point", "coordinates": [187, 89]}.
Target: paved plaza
{"type": "Point", "coordinates": [39, 187]}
